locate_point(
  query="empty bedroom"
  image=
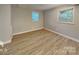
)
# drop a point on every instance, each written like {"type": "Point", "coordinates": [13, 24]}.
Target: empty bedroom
{"type": "Point", "coordinates": [39, 29]}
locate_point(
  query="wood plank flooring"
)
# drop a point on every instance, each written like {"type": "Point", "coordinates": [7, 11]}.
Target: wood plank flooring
{"type": "Point", "coordinates": [42, 42]}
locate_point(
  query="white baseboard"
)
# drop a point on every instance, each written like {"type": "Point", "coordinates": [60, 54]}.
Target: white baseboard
{"type": "Point", "coordinates": [3, 43]}
{"type": "Point", "coordinates": [72, 38]}
{"type": "Point", "coordinates": [9, 41]}
{"type": "Point", "coordinates": [28, 31]}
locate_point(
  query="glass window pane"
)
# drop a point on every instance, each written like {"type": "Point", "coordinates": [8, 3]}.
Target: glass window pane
{"type": "Point", "coordinates": [35, 16]}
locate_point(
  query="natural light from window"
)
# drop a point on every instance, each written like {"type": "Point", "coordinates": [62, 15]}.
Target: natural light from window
{"type": "Point", "coordinates": [35, 16]}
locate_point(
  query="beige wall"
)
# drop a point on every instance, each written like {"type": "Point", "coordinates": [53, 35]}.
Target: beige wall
{"type": "Point", "coordinates": [51, 22]}
{"type": "Point", "coordinates": [22, 20]}
{"type": "Point", "coordinates": [5, 23]}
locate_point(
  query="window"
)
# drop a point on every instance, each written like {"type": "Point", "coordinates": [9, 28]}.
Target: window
{"type": "Point", "coordinates": [67, 15]}
{"type": "Point", "coordinates": [35, 16]}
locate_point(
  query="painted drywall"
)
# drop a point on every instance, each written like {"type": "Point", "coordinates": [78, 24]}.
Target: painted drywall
{"type": "Point", "coordinates": [5, 23]}
{"type": "Point", "coordinates": [22, 20]}
{"type": "Point", "coordinates": [51, 22]}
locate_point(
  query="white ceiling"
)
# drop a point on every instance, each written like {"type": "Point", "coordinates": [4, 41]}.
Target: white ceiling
{"type": "Point", "coordinates": [38, 6]}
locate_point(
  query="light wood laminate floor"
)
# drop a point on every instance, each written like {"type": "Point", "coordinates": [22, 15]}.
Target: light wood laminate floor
{"type": "Point", "coordinates": [42, 42]}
